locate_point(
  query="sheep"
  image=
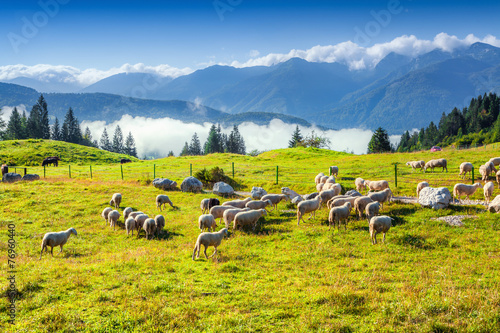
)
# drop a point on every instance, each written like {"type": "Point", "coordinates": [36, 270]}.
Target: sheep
{"type": "Point", "coordinates": [338, 201]}
{"type": "Point", "coordinates": [323, 179]}
{"type": "Point", "coordinates": [218, 211]}
{"type": "Point", "coordinates": [248, 218]}
{"type": "Point", "coordinates": [491, 165]}
{"type": "Point", "coordinates": [207, 221]}
{"type": "Point", "coordinates": [498, 178]}
{"type": "Point", "coordinates": [290, 193]}
{"type": "Point", "coordinates": [208, 203]}
{"type": "Point", "coordinates": [134, 214]}
{"type": "Point", "coordinates": [495, 161]}
{"type": "Point", "coordinates": [420, 186]}
{"type": "Point", "coordinates": [160, 224]}
{"type": "Point", "coordinates": [149, 227]}
{"type": "Point", "coordinates": [329, 186]}
{"type": "Point", "coordinates": [377, 185]}
{"type": "Point", "coordinates": [237, 203]}
{"type": "Point", "coordinates": [139, 222]}
{"type": "Point", "coordinates": [382, 196]}
{"type": "Point", "coordinates": [377, 225]}
{"type": "Point", "coordinates": [353, 193]}
{"type": "Point", "coordinates": [317, 179]}
{"type": "Point", "coordinates": [371, 210]}
{"type": "Point", "coordinates": [441, 162]}
{"type": "Point", "coordinates": [162, 199]}
{"type": "Point", "coordinates": [116, 199]}
{"type": "Point", "coordinates": [360, 205]}
{"type": "Point", "coordinates": [465, 167]}
{"type": "Point", "coordinates": [319, 187]}
{"type": "Point", "coordinates": [130, 225]}
{"type": "Point", "coordinates": [54, 239]}
{"type": "Point", "coordinates": [275, 199]}
{"type": "Point", "coordinates": [105, 214]}
{"type": "Point", "coordinates": [113, 217]}
{"type": "Point", "coordinates": [416, 164]}
{"type": "Point", "coordinates": [209, 239]}
{"type": "Point", "coordinates": [126, 212]}
{"type": "Point", "coordinates": [328, 194]}
{"type": "Point", "coordinates": [334, 170]}
{"type": "Point", "coordinates": [463, 189]}
{"type": "Point", "coordinates": [259, 204]}
{"type": "Point", "coordinates": [229, 215]}
{"type": "Point", "coordinates": [308, 206]}
{"type": "Point", "coordinates": [330, 180]}
{"type": "Point", "coordinates": [360, 184]}
{"type": "Point", "coordinates": [488, 189]}
{"type": "Point", "coordinates": [339, 214]}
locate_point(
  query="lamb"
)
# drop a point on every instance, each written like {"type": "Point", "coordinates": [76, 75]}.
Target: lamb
{"type": "Point", "coordinates": [237, 203]}
{"type": "Point", "coordinates": [105, 213]}
{"type": "Point", "coordinates": [308, 206]}
{"type": "Point", "coordinates": [160, 224]}
{"type": "Point", "coordinates": [130, 225]}
{"type": "Point", "coordinates": [134, 214]}
{"type": "Point", "coordinates": [420, 186]}
{"type": "Point", "coordinates": [258, 204]}
{"type": "Point", "coordinates": [290, 193]}
{"type": "Point", "coordinates": [207, 221]}
{"type": "Point", "coordinates": [56, 238]}
{"type": "Point", "coordinates": [488, 189]}
{"type": "Point", "coordinates": [248, 218]}
{"type": "Point", "coordinates": [113, 217]}
{"type": "Point", "coordinates": [495, 161]}
{"type": "Point", "coordinates": [377, 185]}
{"type": "Point", "coordinates": [360, 205]}
{"type": "Point", "coordinates": [218, 211]}
{"type": "Point", "coordinates": [339, 214]}
{"type": "Point", "coordinates": [337, 201]}
{"type": "Point", "coordinates": [139, 222]}
{"type": "Point", "coordinates": [162, 199]}
{"type": "Point", "coordinates": [382, 196]}
{"type": "Point", "coordinates": [229, 215]}
{"type": "Point", "coordinates": [463, 189]}
{"type": "Point", "coordinates": [317, 179]}
{"type": "Point", "coordinates": [275, 199]}
{"type": "Point", "coordinates": [209, 239]}
{"type": "Point", "coordinates": [116, 199]}
{"type": "Point", "coordinates": [360, 184]}
{"type": "Point", "coordinates": [126, 212]}
{"type": "Point", "coordinates": [465, 167]}
{"type": "Point", "coordinates": [371, 210]}
{"type": "Point", "coordinates": [334, 170]}
{"type": "Point", "coordinates": [441, 162]}
{"type": "Point", "coordinates": [416, 165]}
{"type": "Point", "coordinates": [149, 227]}
{"type": "Point", "coordinates": [377, 225]}
{"type": "Point", "coordinates": [208, 203]}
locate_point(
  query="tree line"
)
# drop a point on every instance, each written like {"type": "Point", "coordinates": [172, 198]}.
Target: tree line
{"type": "Point", "coordinates": [217, 142]}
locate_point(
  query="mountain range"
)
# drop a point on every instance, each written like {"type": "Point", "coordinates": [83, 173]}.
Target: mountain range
{"type": "Point", "coordinates": [399, 93]}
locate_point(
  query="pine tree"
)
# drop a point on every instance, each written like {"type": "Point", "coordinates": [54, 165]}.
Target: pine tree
{"type": "Point", "coordinates": [195, 146]}
{"type": "Point", "coordinates": [170, 153]}
{"type": "Point", "coordinates": [15, 129]}
{"type": "Point", "coordinates": [379, 142]}
{"type": "Point", "coordinates": [117, 145]}
{"type": "Point", "coordinates": [44, 118]}
{"type": "Point", "coordinates": [235, 143]}
{"type": "Point", "coordinates": [33, 127]}
{"type": "Point", "coordinates": [56, 131]}
{"type": "Point", "coordinates": [296, 138]}
{"type": "Point", "coordinates": [65, 132]}
{"type": "Point", "coordinates": [71, 131]}
{"type": "Point", "coordinates": [213, 144]}
{"type": "Point", "coordinates": [130, 145]}
{"type": "Point", "coordinates": [104, 142]}
{"type": "Point", "coordinates": [87, 138]}
{"type": "Point", "coordinates": [185, 150]}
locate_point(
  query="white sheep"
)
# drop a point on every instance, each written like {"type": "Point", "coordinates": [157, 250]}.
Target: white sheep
{"type": "Point", "coordinates": [130, 225]}
{"type": "Point", "coordinates": [491, 165]}
{"type": "Point", "coordinates": [495, 161]}
{"type": "Point", "coordinates": [126, 212]}
{"type": "Point", "coordinates": [105, 214]}
{"type": "Point", "coordinates": [207, 221]}
{"type": "Point", "coordinates": [488, 189]}
{"type": "Point", "coordinates": [289, 193]}
{"type": "Point", "coordinates": [116, 200]}
{"type": "Point", "coordinates": [317, 179]}
{"type": "Point", "coordinates": [218, 211]}
{"type": "Point", "coordinates": [209, 239]}
{"type": "Point", "coordinates": [441, 162]}
{"type": "Point", "coordinates": [372, 209]}
{"type": "Point", "coordinates": [484, 171]}
{"type": "Point", "coordinates": [229, 214]}
{"type": "Point", "coordinates": [160, 224]}
{"type": "Point", "coordinates": [162, 199]}
{"type": "Point", "coordinates": [329, 194]}
{"type": "Point", "coordinates": [420, 186]}
{"type": "Point", "coordinates": [340, 200]}
{"type": "Point", "coordinates": [308, 206]}
{"type": "Point", "coordinates": [330, 180]}
{"type": "Point", "coordinates": [329, 186]}
{"type": "Point", "coordinates": [377, 185]}
{"type": "Point", "coordinates": [237, 203]}
{"type": "Point", "coordinates": [379, 224]}
{"type": "Point", "coordinates": [134, 214]}
{"type": "Point", "coordinates": [149, 227]}
{"type": "Point", "coordinates": [139, 222]}
{"type": "Point", "coordinates": [463, 189]}
{"type": "Point", "coordinates": [334, 171]}
{"type": "Point", "coordinates": [360, 205]}
{"type": "Point", "coordinates": [323, 179]}
{"type": "Point", "coordinates": [416, 165]}
{"type": "Point", "coordinates": [339, 214]}
{"type": "Point", "coordinates": [208, 203]}
{"type": "Point", "coordinates": [360, 184]}
{"type": "Point", "coordinates": [275, 199]}
{"type": "Point", "coordinates": [319, 187]}
{"type": "Point", "coordinates": [248, 218]}
{"type": "Point", "coordinates": [259, 204]}
{"type": "Point", "coordinates": [382, 196]}
{"type": "Point", "coordinates": [113, 217]}
{"type": "Point", "coordinates": [56, 238]}
{"type": "Point", "coordinates": [465, 167]}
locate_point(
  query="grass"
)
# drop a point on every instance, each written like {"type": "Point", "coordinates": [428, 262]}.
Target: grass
{"type": "Point", "coordinates": [428, 277]}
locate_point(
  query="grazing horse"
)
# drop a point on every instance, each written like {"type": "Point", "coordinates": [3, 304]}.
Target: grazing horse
{"type": "Point", "coordinates": [125, 160]}
{"type": "Point", "coordinates": [51, 160]}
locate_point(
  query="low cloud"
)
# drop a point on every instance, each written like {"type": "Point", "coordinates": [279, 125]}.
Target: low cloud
{"type": "Point", "coordinates": [7, 111]}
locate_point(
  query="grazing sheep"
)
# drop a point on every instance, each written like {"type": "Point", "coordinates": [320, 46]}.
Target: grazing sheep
{"type": "Point", "coordinates": [105, 213]}
{"type": "Point", "coordinates": [113, 217]}
{"type": "Point", "coordinates": [491, 166]}
{"type": "Point", "coordinates": [485, 172]}
{"type": "Point", "coordinates": [463, 189]}
{"type": "Point", "coordinates": [317, 179]}
{"type": "Point", "coordinates": [207, 221]}
{"type": "Point", "coordinates": [319, 187]}
{"type": "Point", "coordinates": [416, 165]}
{"type": "Point", "coordinates": [465, 167]}
{"type": "Point", "coordinates": [323, 179]}
{"type": "Point", "coordinates": [330, 180]}
{"type": "Point", "coordinates": [160, 224]}
{"type": "Point", "coordinates": [353, 193]}
{"type": "Point", "coordinates": [126, 212]}
{"type": "Point", "coordinates": [334, 171]}
{"type": "Point", "coordinates": [420, 186]}
{"type": "Point", "coordinates": [360, 184]}
{"type": "Point", "coordinates": [275, 199]}
{"type": "Point", "coordinates": [162, 199]}
{"type": "Point", "coordinates": [139, 222]}
{"type": "Point", "coordinates": [329, 186]}
{"type": "Point", "coordinates": [310, 195]}
{"type": "Point", "coordinates": [237, 203]}
{"type": "Point", "coordinates": [328, 194]}
{"type": "Point", "coordinates": [116, 200]}
{"type": "Point", "coordinates": [248, 218]}
{"type": "Point", "coordinates": [377, 185]}
{"type": "Point", "coordinates": [339, 214]}
{"type": "Point", "coordinates": [130, 225]}
{"type": "Point", "coordinates": [229, 215]}
{"type": "Point", "coordinates": [382, 196]}
{"type": "Point", "coordinates": [371, 210]}
{"type": "Point", "coordinates": [340, 200]}
{"type": "Point", "coordinates": [360, 205]}
{"type": "Point", "coordinates": [495, 161]}
{"type": "Point", "coordinates": [308, 206]}
{"type": "Point", "coordinates": [208, 203]}
{"type": "Point", "coordinates": [134, 214]}
{"type": "Point", "coordinates": [290, 193]}
{"type": "Point", "coordinates": [377, 225]}
{"type": "Point", "coordinates": [209, 239]}
{"type": "Point", "coordinates": [259, 204]}
{"type": "Point", "coordinates": [218, 211]}
{"type": "Point", "coordinates": [488, 189]}
{"type": "Point", "coordinates": [149, 227]}
{"type": "Point", "coordinates": [441, 162]}
{"type": "Point", "coordinates": [56, 238]}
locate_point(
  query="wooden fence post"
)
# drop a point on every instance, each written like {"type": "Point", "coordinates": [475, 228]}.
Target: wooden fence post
{"type": "Point", "coordinates": [472, 175]}
{"type": "Point", "coordinates": [154, 171]}
{"type": "Point", "coordinates": [190, 169]}
{"type": "Point", "coordinates": [233, 170]}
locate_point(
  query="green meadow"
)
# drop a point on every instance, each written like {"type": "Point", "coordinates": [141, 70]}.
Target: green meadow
{"type": "Point", "coordinates": [427, 277]}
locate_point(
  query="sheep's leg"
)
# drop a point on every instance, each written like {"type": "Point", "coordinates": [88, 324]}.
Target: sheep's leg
{"type": "Point", "coordinates": [383, 240]}
{"type": "Point", "coordinates": [52, 251]}
{"type": "Point", "coordinates": [61, 248]}
{"type": "Point", "coordinates": [43, 247]}
{"type": "Point", "coordinates": [375, 237]}
{"type": "Point", "coordinates": [214, 252]}
{"type": "Point", "coordinates": [205, 251]}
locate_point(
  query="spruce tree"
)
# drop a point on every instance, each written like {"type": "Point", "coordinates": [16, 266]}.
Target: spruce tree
{"type": "Point", "coordinates": [379, 142]}
{"type": "Point", "coordinates": [170, 153]}
{"type": "Point", "coordinates": [195, 146]}
{"type": "Point", "coordinates": [185, 150]}
{"type": "Point", "coordinates": [33, 127]}
{"type": "Point", "coordinates": [117, 145]}
{"type": "Point", "coordinates": [3, 125]}
{"type": "Point", "coordinates": [87, 138]}
{"type": "Point", "coordinates": [130, 145]}
{"type": "Point", "coordinates": [15, 129]}
{"type": "Point", "coordinates": [56, 131]}
{"type": "Point", "coordinates": [71, 131]}
{"type": "Point", "coordinates": [24, 125]}
{"type": "Point", "coordinates": [44, 118]}
{"type": "Point", "coordinates": [104, 142]}
{"type": "Point", "coordinates": [296, 138]}
{"type": "Point", "coordinates": [213, 144]}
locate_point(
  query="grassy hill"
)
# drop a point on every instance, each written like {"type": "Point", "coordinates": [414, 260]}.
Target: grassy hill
{"type": "Point", "coordinates": [427, 277]}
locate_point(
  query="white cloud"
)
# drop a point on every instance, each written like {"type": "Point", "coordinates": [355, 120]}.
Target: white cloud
{"type": "Point", "coordinates": [7, 110]}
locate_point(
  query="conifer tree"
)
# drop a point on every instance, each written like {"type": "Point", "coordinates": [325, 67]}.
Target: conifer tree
{"type": "Point", "coordinates": [56, 131]}
{"type": "Point", "coordinates": [87, 138]}
{"type": "Point", "coordinates": [44, 118]}
{"type": "Point", "coordinates": [213, 143]}
{"type": "Point", "coordinates": [130, 148]}
{"type": "Point", "coordinates": [296, 138]}
{"type": "Point", "coordinates": [379, 142]}
{"type": "Point", "coordinates": [33, 127]}
{"type": "Point", "coordinates": [71, 131]}
{"type": "Point", "coordinates": [195, 146]}
{"type": "Point", "coordinates": [117, 145]}
{"type": "Point", "coordinates": [185, 150]}
{"type": "Point", "coordinates": [15, 129]}
{"type": "Point", "coordinates": [170, 153]}
{"type": "Point", "coordinates": [104, 142]}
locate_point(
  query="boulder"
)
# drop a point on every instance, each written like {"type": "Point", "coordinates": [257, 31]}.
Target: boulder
{"type": "Point", "coordinates": [311, 196]}
{"type": "Point", "coordinates": [223, 189]}
{"type": "Point", "coordinates": [494, 206]}
{"type": "Point", "coordinates": [164, 184]}
{"type": "Point", "coordinates": [191, 184]}
{"type": "Point", "coordinates": [257, 193]}
{"type": "Point", "coordinates": [435, 198]}
{"type": "Point", "coordinates": [11, 177]}
{"type": "Point", "coordinates": [353, 193]}
{"type": "Point", "coordinates": [31, 177]}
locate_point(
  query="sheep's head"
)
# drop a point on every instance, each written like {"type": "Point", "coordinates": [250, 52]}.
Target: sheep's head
{"type": "Point", "coordinates": [73, 231]}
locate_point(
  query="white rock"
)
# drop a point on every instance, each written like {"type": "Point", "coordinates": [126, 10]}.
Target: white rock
{"type": "Point", "coordinates": [435, 198]}
{"type": "Point", "coordinates": [164, 184]}
{"type": "Point", "coordinates": [494, 206]}
{"type": "Point", "coordinates": [223, 189]}
{"type": "Point", "coordinates": [191, 184]}
{"type": "Point", "coordinates": [257, 193]}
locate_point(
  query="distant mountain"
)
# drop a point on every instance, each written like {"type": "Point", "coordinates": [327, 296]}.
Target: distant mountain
{"type": "Point", "coordinates": [46, 86]}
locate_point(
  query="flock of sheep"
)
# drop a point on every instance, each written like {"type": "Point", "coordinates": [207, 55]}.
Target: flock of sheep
{"type": "Point", "coordinates": [247, 212]}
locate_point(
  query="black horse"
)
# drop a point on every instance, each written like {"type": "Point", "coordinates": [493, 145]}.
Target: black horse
{"type": "Point", "coordinates": [51, 160]}
{"type": "Point", "coordinates": [125, 160]}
